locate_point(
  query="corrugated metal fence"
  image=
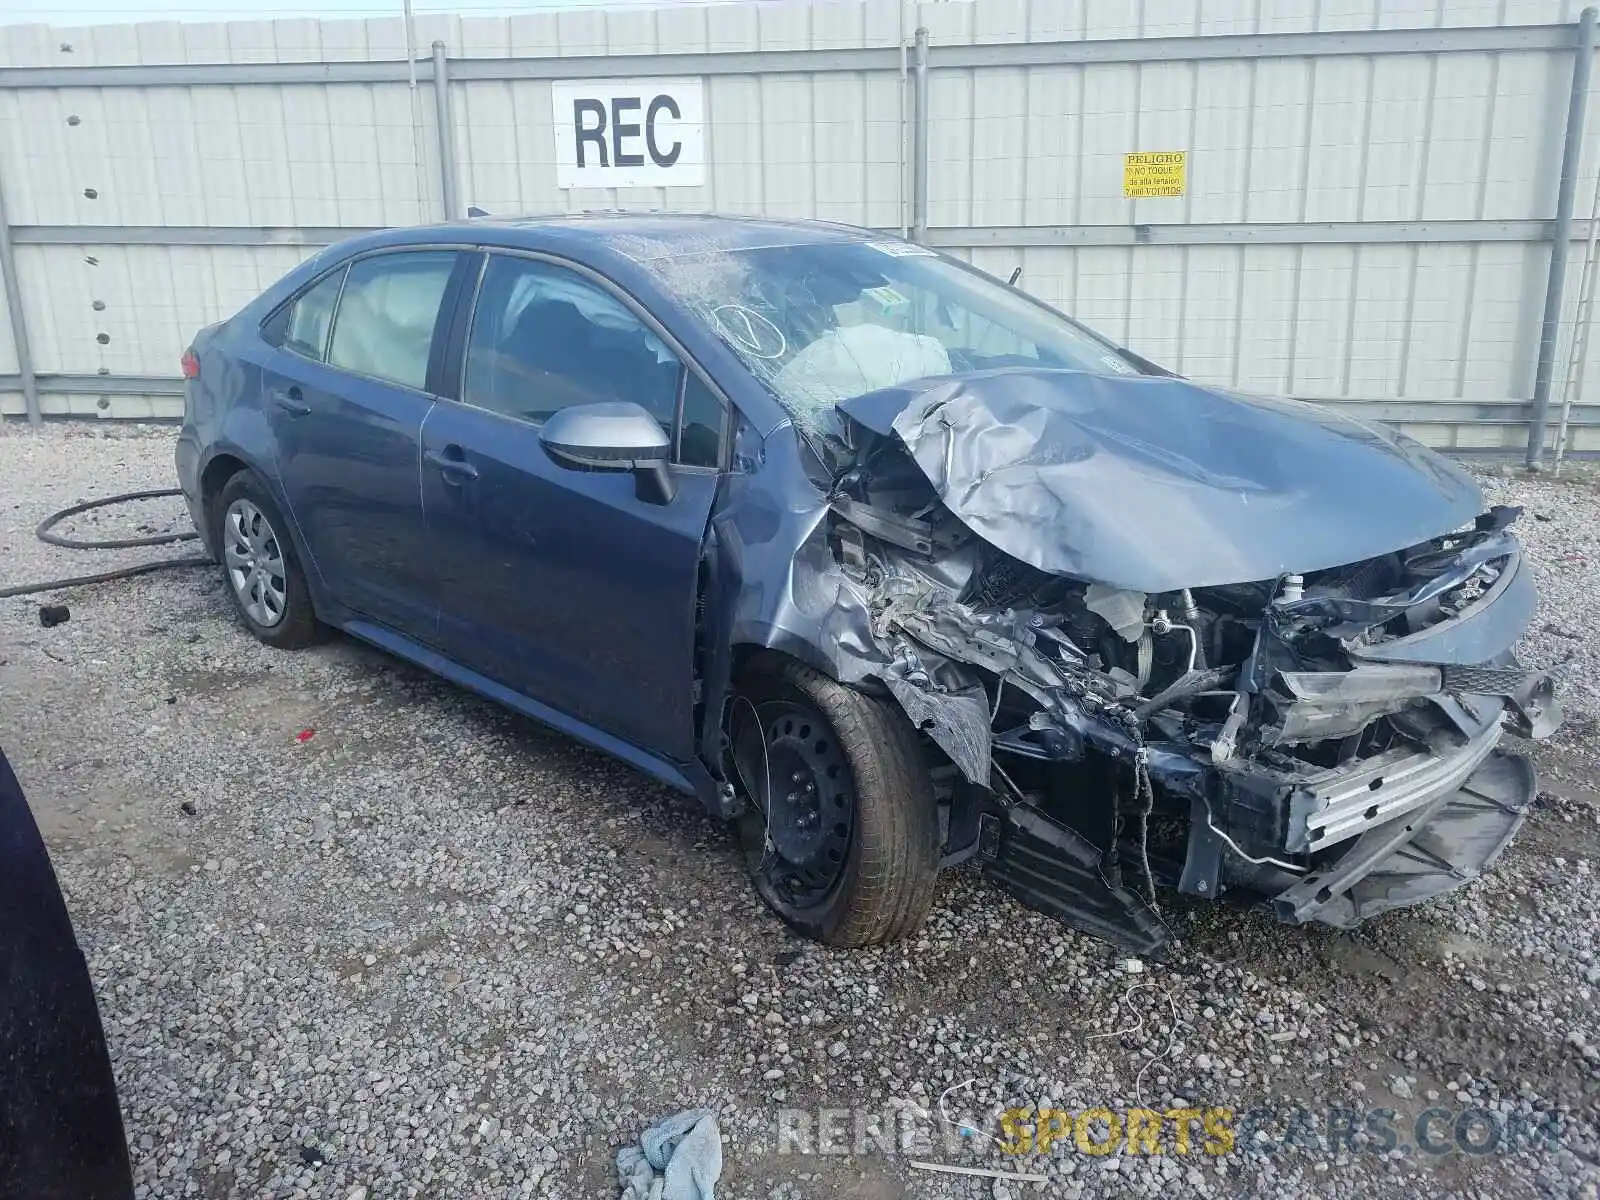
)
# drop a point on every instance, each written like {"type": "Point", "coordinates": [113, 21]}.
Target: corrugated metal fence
{"type": "Point", "coordinates": [1368, 214]}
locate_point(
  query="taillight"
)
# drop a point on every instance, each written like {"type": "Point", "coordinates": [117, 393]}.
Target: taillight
{"type": "Point", "coordinates": [191, 364]}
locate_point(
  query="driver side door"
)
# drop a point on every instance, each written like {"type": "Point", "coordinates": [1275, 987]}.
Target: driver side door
{"type": "Point", "coordinates": [559, 583]}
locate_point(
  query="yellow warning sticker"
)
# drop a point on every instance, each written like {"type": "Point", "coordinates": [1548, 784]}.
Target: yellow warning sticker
{"type": "Point", "coordinates": [1155, 173]}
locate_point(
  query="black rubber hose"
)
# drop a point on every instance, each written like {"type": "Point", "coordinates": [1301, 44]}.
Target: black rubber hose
{"type": "Point", "coordinates": [1185, 685]}
{"type": "Point", "coordinates": [56, 585]}
{"type": "Point", "coordinates": [158, 539]}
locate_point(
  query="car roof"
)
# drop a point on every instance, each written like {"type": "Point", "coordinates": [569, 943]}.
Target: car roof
{"type": "Point", "coordinates": [642, 237]}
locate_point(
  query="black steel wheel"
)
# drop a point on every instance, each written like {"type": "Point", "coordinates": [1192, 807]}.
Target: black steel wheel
{"type": "Point", "coordinates": [842, 834]}
{"type": "Point", "coordinates": [810, 803]}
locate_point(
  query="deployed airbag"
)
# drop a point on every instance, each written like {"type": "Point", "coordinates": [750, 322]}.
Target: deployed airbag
{"type": "Point", "coordinates": [856, 359]}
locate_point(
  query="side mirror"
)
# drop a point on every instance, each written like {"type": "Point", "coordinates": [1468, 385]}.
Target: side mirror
{"type": "Point", "coordinates": [613, 436]}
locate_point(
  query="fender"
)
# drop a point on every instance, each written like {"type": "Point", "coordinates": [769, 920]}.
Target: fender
{"type": "Point", "coordinates": [264, 465]}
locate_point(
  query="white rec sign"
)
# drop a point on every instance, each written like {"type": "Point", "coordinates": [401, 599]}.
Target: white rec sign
{"type": "Point", "coordinates": [629, 132]}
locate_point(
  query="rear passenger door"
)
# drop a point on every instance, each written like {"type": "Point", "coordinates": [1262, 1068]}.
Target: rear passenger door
{"type": "Point", "coordinates": [564, 584]}
{"type": "Point", "coordinates": [346, 391]}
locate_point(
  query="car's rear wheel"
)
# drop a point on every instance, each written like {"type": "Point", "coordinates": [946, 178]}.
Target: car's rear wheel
{"type": "Point", "coordinates": [842, 840]}
{"type": "Point", "coordinates": [259, 566]}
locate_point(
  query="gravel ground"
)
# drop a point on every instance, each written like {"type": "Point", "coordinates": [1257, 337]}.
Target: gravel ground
{"type": "Point", "coordinates": [435, 950]}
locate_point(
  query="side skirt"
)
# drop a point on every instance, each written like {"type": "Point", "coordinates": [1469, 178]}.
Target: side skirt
{"type": "Point", "coordinates": [674, 775]}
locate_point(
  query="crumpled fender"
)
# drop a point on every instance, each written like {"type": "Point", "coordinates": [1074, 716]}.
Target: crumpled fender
{"type": "Point", "coordinates": [958, 723]}
{"type": "Point", "coordinates": [778, 586]}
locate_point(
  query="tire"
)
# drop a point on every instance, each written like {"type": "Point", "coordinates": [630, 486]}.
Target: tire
{"type": "Point", "coordinates": [273, 601]}
{"type": "Point", "coordinates": [887, 865]}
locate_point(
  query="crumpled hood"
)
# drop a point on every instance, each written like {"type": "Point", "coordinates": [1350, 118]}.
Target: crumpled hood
{"type": "Point", "coordinates": [1154, 484]}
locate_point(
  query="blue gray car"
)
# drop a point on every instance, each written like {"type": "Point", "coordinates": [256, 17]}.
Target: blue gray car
{"type": "Point", "coordinates": [883, 560]}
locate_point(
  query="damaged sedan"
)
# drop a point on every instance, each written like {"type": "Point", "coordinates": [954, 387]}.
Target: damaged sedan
{"type": "Point", "coordinates": [887, 562]}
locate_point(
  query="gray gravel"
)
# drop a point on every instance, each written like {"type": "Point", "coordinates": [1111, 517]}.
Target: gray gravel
{"type": "Point", "coordinates": [435, 950]}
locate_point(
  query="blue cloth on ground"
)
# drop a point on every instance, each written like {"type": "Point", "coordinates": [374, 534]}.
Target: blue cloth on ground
{"type": "Point", "coordinates": [679, 1158]}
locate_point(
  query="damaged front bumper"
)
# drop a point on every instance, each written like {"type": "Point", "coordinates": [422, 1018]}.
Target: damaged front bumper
{"type": "Point", "coordinates": [1386, 832]}
{"type": "Point", "coordinates": [1396, 821]}
{"type": "Point", "coordinates": [1335, 805]}
{"type": "Point", "coordinates": [1423, 817]}
{"type": "Point", "coordinates": [1409, 822]}
{"type": "Point", "coordinates": [1446, 841]}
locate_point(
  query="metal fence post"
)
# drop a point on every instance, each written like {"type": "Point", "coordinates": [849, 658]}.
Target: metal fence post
{"type": "Point", "coordinates": [919, 143]}
{"type": "Point", "coordinates": [447, 132]}
{"type": "Point", "coordinates": [19, 323]}
{"type": "Point", "coordinates": [1561, 236]}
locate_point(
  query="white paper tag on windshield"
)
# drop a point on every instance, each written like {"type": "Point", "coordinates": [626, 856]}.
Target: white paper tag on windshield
{"type": "Point", "coordinates": [885, 299]}
{"type": "Point", "coordinates": [899, 249]}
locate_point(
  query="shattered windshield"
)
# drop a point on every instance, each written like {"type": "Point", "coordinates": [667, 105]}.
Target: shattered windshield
{"type": "Point", "coordinates": [821, 323]}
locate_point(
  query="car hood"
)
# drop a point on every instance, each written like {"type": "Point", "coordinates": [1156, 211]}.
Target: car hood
{"type": "Point", "coordinates": [1155, 483]}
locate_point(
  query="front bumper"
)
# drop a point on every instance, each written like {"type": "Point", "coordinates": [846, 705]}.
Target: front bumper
{"type": "Point", "coordinates": [1431, 804]}
{"type": "Point", "coordinates": [1336, 805]}
{"type": "Point", "coordinates": [1407, 823]}
{"type": "Point", "coordinates": [1421, 853]}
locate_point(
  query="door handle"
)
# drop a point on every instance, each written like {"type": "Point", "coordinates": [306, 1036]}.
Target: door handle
{"type": "Point", "coordinates": [451, 464]}
{"type": "Point", "coordinates": [291, 400]}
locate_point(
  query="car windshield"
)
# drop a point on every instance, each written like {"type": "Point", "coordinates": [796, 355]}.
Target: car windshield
{"type": "Point", "coordinates": [822, 323]}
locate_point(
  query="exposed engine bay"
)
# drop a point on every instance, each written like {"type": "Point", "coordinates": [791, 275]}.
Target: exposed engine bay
{"type": "Point", "coordinates": [1325, 740]}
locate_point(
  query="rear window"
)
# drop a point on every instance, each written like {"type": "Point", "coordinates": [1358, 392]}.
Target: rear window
{"type": "Point", "coordinates": [302, 325]}
{"type": "Point", "coordinates": [387, 313]}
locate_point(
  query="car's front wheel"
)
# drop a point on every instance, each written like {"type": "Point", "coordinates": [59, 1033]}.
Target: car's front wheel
{"type": "Point", "coordinates": [842, 839]}
{"type": "Point", "coordinates": [259, 566]}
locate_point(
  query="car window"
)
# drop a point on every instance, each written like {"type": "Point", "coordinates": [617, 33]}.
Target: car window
{"type": "Point", "coordinates": [544, 338]}
{"type": "Point", "coordinates": [387, 312]}
{"type": "Point", "coordinates": [302, 325]}
{"type": "Point", "coordinates": [700, 434]}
